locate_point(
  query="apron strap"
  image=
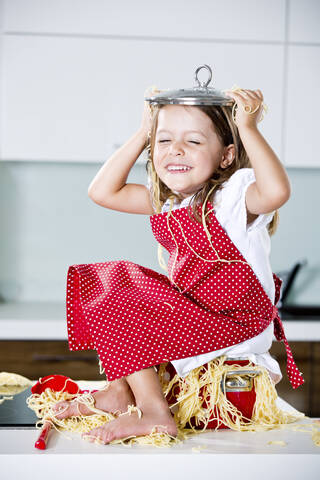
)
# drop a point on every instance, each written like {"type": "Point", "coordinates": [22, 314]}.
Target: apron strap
{"type": "Point", "coordinates": [277, 283]}
{"type": "Point", "coordinates": [294, 375]}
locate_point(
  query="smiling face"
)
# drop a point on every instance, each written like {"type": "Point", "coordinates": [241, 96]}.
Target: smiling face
{"type": "Point", "coordinates": [187, 150]}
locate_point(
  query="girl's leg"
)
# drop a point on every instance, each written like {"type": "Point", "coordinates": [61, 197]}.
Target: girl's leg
{"type": "Point", "coordinates": [116, 397]}
{"type": "Point", "coordinates": [150, 400]}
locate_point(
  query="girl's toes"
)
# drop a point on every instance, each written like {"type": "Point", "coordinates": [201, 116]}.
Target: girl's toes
{"type": "Point", "coordinates": [87, 437]}
{"type": "Point", "coordinates": [65, 409]}
{"type": "Point", "coordinates": [61, 410]}
{"type": "Point", "coordinates": [100, 434]}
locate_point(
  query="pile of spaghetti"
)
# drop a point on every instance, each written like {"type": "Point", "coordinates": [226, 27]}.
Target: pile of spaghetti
{"type": "Point", "coordinates": [212, 404]}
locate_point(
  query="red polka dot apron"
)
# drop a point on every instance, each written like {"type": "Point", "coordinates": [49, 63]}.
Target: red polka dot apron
{"type": "Point", "coordinates": [135, 317]}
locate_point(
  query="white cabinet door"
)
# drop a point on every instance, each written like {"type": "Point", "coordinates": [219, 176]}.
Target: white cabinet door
{"type": "Point", "coordinates": [302, 100]}
{"type": "Point", "coordinates": [303, 21]}
{"type": "Point", "coordinates": [77, 99]}
{"type": "Point", "coordinates": [248, 20]}
{"type": "Point", "coordinates": [302, 107]}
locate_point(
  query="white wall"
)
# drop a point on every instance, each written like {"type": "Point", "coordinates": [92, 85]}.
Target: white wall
{"type": "Point", "coordinates": [72, 78]}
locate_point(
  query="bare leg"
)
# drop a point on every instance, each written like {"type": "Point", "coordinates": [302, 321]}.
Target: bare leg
{"type": "Point", "coordinates": [115, 398]}
{"type": "Point", "coordinates": [150, 400]}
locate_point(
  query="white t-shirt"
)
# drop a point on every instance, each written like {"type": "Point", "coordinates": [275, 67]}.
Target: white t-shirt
{"type": "Point", "coordinates": [253, 241]}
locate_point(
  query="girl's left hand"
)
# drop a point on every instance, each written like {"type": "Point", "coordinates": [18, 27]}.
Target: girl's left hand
{"type": "Point", "coordinates": [249, 107]}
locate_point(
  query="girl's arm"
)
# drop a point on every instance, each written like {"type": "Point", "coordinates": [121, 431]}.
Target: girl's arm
{"type": "Point", "coordinates": [109, 188]}
{"type": "Point", "coordinates": [272, 186]}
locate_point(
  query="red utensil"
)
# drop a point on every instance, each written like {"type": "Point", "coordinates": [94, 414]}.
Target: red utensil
{"type": "Point", "coordinates": [58, 383]}
{"type": "Point", "coordinates": [41, 443]}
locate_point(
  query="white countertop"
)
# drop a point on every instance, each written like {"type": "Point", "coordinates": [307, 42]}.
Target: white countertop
{"type": "Point", "coordinates": [47, 321]}
{"type": "Point", "coordinates": [228, 453]}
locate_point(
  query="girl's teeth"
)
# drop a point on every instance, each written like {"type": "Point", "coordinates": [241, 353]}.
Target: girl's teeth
{"type": "Point", "coordinates": [178, 168]}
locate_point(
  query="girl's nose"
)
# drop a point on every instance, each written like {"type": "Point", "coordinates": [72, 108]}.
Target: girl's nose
{"type": "Point", "coordinates": [176, 148]}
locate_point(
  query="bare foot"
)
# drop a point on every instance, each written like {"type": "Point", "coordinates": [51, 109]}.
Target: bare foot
{"type": "Point", "coordinates": [115, 399]}
{"type": "Point", "coordinates": [128, 425]}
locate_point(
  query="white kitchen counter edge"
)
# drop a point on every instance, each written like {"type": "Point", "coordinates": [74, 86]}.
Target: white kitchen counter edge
{"type": "Point", "coordinates": [226, 452]}
{"type": "Point", "coordinates": [160, 466]}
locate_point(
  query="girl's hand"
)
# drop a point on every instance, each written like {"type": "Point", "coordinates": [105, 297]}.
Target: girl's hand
{"type": "Point", "coordinates": [146, 122]}
{"type": "Point", "coordinates": [249, 107]}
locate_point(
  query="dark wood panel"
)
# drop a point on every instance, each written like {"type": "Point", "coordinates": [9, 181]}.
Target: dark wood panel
{"type": "Point", "coordinates": [315, 400]}
{"type": "Point", "coordinates": [35, 359]}
{"type": "Point", "coordinates": [302, 397]}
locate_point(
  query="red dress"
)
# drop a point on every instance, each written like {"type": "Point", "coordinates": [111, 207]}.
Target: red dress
{"type": "Point", "coordinates": [135, 317]}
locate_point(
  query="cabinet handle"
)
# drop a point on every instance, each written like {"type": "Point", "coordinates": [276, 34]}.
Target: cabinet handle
{"type": "Point", "coordinates": [42, 357]}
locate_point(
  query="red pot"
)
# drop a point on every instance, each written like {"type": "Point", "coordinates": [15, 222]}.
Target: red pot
{"type": "Point", "coordinates": [242, 397]}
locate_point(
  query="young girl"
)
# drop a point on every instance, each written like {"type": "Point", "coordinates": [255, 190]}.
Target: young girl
{"type": "Point", "coordinates": [220, 296]}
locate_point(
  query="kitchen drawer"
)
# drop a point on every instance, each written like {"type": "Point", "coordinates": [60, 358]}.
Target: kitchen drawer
{"type": "Point", "coordinates": [35, 359]}
{"type": "Point", "coordinates": [306, 355]}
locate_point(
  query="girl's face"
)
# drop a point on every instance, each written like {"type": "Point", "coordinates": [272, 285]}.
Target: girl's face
{"type": "Point", "coordinates": [187, 149]}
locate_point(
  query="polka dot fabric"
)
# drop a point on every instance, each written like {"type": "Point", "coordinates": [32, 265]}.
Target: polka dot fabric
{"type": "Point", "coordinates": [136, 317]}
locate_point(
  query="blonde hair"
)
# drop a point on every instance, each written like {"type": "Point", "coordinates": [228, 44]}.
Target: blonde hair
{"type": "Point", "coordinates": [228, 134]}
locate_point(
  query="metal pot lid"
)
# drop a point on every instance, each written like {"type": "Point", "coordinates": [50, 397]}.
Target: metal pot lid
{"type": "Point", "coordinates": [201, 94]}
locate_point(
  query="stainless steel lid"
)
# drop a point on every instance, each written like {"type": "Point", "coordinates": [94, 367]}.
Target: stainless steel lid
{"type": "Point", "coordinates": [201, 94]}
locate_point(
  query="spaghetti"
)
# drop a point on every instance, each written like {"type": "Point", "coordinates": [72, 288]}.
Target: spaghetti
{"type": "Point", "coordinates": [189, 405]}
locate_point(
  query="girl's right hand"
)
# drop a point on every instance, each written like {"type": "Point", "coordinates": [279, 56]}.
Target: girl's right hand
{"type": "Point", "coordinates": [146, 122]}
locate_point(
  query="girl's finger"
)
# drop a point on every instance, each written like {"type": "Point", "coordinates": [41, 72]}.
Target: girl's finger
{"type": "Point", "coordinates": [257, 93]}
{"type": "Point", "coordinates": [251, 94]}
{"type": "Point", "coordinates": [238, 94]}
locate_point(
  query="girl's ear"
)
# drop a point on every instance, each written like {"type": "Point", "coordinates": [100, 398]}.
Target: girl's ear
{"type": "Point", "coordinates": [228, 156]}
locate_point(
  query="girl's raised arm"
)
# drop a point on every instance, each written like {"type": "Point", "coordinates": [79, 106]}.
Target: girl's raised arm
{"type": "Point", "coordinates": [272, 186]}
{"type": "Point", "coordinates": [109, 188]}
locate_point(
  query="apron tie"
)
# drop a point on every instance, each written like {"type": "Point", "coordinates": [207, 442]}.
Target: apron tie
{"type": "Point", "coordinates": [294, 375]}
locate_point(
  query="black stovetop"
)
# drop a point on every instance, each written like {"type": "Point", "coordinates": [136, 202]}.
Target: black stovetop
{"type": "Point", "coordinates": [16, 412]}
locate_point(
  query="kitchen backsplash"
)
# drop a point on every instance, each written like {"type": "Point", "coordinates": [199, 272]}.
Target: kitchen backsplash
{"type": "Point", "coordinates": [48, 222]}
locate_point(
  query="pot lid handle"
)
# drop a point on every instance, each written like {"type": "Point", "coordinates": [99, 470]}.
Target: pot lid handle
{"type": "Point", "coordinates": [203, 84]}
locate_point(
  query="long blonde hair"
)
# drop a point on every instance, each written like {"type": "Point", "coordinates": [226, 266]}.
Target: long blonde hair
{"type": "Point", "coordinates": [228, 133]}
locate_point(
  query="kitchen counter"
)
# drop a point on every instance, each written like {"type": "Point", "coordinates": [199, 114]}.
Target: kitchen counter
{"type": "Point", "coordinates": [46, 321]}
{"type": "Point", "coordinates": [225, 452]}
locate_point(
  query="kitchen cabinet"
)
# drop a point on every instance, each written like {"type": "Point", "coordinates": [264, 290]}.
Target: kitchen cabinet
{"type": "Point", "coordinates": [303, 69]}
{"type": "Point", "coordinates": [306, 355]}
{"type": "Point", "coordinates": [48, 94]}
{"type": "Point", "coordinates": [35, 359]}
{"type": "Point", "coordinates": [103, 18]}
{"type": "Point", "coordinates": [76, 76]}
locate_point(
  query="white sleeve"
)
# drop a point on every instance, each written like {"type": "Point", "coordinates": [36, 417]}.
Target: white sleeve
{"type": "Point", "coordinates": [234, 197]}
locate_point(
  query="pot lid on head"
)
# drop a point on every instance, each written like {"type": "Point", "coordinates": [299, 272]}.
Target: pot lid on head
{"type": "Point", "coordinates": [201, 94]}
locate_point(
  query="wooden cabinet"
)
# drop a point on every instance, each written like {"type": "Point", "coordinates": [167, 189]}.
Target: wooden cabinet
{"type": "Point", "coordinates": [35, 359]}
{"type": "Point", "coordinates": [306, 355]}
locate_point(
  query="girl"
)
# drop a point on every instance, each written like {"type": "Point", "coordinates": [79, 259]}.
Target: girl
{"type": "Point", "coordinates": [220, 295]}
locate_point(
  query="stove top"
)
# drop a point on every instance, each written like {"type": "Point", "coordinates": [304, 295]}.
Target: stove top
{"type": "Point", "coordinates": [16, 412]}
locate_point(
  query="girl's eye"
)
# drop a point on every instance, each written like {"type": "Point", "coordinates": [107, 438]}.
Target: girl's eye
{"type": "Point", "coordinates": [191, 141]}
